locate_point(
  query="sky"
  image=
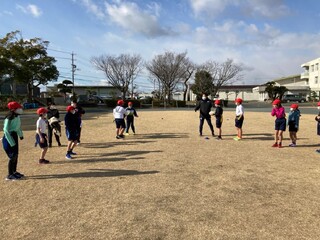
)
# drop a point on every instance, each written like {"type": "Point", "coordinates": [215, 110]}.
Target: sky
{"type": "Point", "coordinates": [269, 38]}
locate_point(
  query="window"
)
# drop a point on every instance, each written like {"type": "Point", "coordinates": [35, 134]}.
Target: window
{"type": "Point", "coordinates": [316, 80]}
{"type": "Point", "coordinates": [312, 68]}
{"type": "Point", "coordinates": [317, 67]}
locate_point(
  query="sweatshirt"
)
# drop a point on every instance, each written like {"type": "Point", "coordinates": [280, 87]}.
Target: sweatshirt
{"type": "Point", "coordinates": [119, 112]}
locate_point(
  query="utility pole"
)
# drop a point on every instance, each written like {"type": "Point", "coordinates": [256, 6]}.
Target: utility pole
{"type": "Point", "coordinates": [73, 69]}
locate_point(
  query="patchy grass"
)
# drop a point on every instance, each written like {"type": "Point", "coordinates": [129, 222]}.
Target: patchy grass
{"type": "Point", "coordinates": [166, 182]}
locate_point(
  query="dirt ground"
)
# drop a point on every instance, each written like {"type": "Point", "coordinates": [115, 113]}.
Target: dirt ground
{"type": "Point", "coordinates": [167, 182]}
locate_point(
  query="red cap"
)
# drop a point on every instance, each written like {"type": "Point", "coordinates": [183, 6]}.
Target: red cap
{"type": "Point", "coordinates": [130, 103]}
{"type": "Point", "coordinates": [70, 108]}
{"type": "Point", "coordinates": [294, 105]}
{"type": "Point", "coordinates": [14, 105]}
{"type": "Point", "coordinates": [120, 102]}
{"type": "Point", "coordinates": [276, 102]}
{"type": "Point", "coordinates": [318, 103]}
{"type": "Point", "coordinates": [218, 102]}
{"type": "Point", "coordinates": [238, 100]}
{"type": "Point", "coordinates": [41, 110]}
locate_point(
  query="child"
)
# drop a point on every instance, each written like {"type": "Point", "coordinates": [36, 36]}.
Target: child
{"type": "Point", "coordinates": [239, 118]}
{"type": "Point", "coordinates": [293, 123]}
{"type": "Point", "coordinates": [280, 122]}
{"type": "Point", "coordinates": [119, 114]}
{"type": "Point", "coordinates": [71, 121]}
{"type": "Point", "coordinates": [317, 118]}
{"type": "Point", "coordinates": [41, 136]}
{"type": "Point", "coordinates": [131, 113]}
{"type": "Point", "coordinates": [54, 127]}
{"type": "Point", "coordinates": [79, 111]}
{"type": "Point", "coordinates": [12, 130]}
{"type": "Point", "coordinates": [218, 114]}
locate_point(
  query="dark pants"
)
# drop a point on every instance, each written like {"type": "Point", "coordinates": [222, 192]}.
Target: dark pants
{"type": "Point", "coordinates": [130, 122]}
{"type": "Point", "coordinates": [12, 153]}
{"type": "Point", "coordinates": [208, 119]}
{"type": "Point", "coordinates": [50, 133]}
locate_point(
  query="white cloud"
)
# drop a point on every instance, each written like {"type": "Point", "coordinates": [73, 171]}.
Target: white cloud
{"type": "Point", "coordinates": [212, 7]}
{"type": "Point", "coordinates": [133, 19]}
{"type": "Point", "coordinates": [7, 13]}
{"type": "Point", "coordinates": [31, 9]}
{"type": "Point", "coordinates": [93, 8]}
{"type": "Point", "coordinates": [266, 8]}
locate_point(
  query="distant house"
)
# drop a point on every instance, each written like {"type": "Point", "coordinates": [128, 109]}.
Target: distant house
{"type": "Point", "coordinates": [294, 84]}
{"type": "Point", "coordinates": [232, 92]}
{"type": "Point", "coordinates": [21, 89]}
{"type": "Point", "coordinates": [101, 91]}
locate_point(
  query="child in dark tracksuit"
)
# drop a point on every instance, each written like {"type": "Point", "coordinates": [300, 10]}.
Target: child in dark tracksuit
{"type": "Point", "coordinates": [71, 121]}
{"type": "Point", "coordinates": [131, 113]}
{"type": "Point", "coordinates": [219, 119]}
{"type": "Point", "coordinates": [205, 105]}
{"type": "Point", "coordinates": [12, 131]}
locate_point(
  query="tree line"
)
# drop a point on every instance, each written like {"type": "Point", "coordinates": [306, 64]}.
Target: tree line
{"type": "Point", "coordinates": [27, 61]}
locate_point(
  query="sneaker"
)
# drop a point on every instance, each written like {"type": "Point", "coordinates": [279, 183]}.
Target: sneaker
{"type": "Point", "coordinates": [72, 153]}
{"type": "Point", "coordinates": [68, 156]}
{"type": "Point", "coordinates": [121, 136]}
{"type": "Point", "coordinates": [12, 178]}
{"type": "Point", "coordinates": [118, 137]}
{"type": "Point", "coordinates": [18, 175]}
{"type": "Point", "coordinates": [126, 134]}
{"type": "Point", "coordinates": [292, 145]}
{"type": "Point", "coordinates": [236, 138]}
{"type": "Point", "coordinates": [219, 138]}
{"type": "Point", "coordinates": [43, 161]}
{"type": "Point", "coordinates": [275, 145]}
{"type": "Point", "coordinates": [59, 145]}
{"type": "Point", "coordinates": [318, 150]}
{"type": "Point", "coordinates": [200, 134]}
{"type": "Point", "coordinates": [279, 145]}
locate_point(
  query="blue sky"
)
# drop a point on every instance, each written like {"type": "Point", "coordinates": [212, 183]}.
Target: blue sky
{"type": "Point", "coordinates": [271, 38]}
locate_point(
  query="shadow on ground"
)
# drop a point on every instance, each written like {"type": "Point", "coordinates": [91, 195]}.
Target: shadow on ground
{"type": "Point", "coordinates": [111, 144]}
{"type": "Point", "coordinates": [95, 173]}
{"type": "Point", "coordinates": [107, 157]}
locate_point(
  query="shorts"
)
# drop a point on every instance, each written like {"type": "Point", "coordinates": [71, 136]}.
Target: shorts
{"type": "Point", "coordinates": [292, 127]}
{"type": "Point", "coordinates": [280, 124]}
{"type": "Point", "coordinates": [72, 135]}
{"type": "Point", "coordinates": [120, 123]}
{"type": "Point", "coordinates": [239, 122]}
{"type": "Point", "coordinates": [44, 144]}
{"type": "Point", "coordinates": [219, 121]}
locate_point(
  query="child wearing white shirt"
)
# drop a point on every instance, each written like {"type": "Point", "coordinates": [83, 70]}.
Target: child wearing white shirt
{"type": "Point", "coordinates": [239, 119]}
{"type": "Point", "coordinates": [41, 134]}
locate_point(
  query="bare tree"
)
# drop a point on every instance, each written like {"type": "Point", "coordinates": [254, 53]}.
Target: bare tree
{"type": "Point", "coordinates": [189, 70]}
{"type": "Point", "coordinates": [119, 70]}
{"type": "Point", "coordinates": [168, 68]}
{"type": "Point", "coordinates": [222, 73]}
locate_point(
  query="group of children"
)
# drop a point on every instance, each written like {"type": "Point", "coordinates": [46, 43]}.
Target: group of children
{"type": "Point", "coordinates": [120, 114]}
{"type": "Point", "coordinates": [205, 105]}
{"type": "Point", "coordinates": [73, 123]}
{"type": "Point", "coordinates": [281, 122]}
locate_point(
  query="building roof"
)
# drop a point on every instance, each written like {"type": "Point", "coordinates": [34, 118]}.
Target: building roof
{"type": "Point", "coordinates": [287, 78]}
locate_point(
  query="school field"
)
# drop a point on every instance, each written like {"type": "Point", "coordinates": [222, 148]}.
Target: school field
{"type": "Point", "coordinates": [167, 182]}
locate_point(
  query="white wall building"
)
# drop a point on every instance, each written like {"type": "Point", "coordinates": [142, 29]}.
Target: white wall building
{"type": "Point", "coordinates": [312, 74]}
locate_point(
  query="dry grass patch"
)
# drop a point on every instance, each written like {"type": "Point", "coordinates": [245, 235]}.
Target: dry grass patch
{"type": "Point", "coordinates": [166, 182]}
